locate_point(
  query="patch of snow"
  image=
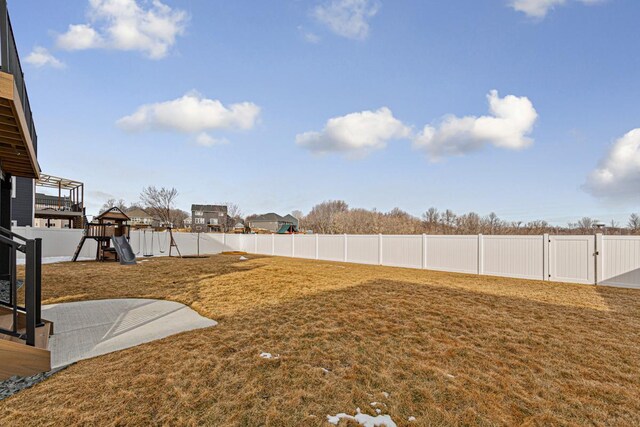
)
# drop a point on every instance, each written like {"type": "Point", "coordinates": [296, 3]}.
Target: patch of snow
{"type": "Point", "coordinates": [374, 404]}
{"type": "Point", "coordinates": [385, 394]}
{"type": "Point", "coordinates": [378, 411]}
{"type": "Point", "coordinates": [449, 376]}
{"type": "Point", "coordinates": [269, 356]}
{"type": "Point", "coordinates": [242, 258]}
{"type": "Point", "coordinates": [411, 419]}
{"type": "Point", "coordinates": [325, 370]}
{"type": "Point", "coordinates": [363, 419]}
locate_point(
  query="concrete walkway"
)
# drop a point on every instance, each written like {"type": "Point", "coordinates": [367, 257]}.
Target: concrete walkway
{"type": "Point", "coordinates": [90, 328]}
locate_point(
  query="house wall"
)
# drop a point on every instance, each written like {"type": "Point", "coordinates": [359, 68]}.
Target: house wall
{"type": "Point", "coordinates": [265, 225]}
{"type": "Point", "coordinates": [220, 216]}
{"type": "Point", "coordinates": [22, 203]}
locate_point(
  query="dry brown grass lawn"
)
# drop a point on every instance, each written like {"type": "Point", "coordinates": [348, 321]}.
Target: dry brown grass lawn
{"type": "Point", "coordinates": [450, 349]}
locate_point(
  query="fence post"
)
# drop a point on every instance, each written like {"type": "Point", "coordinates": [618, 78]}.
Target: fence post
{"type": "Point", "coordinates": [480, 254]}
{"type": "Point", "coordinates": [599, 258]}
{"type": "Point", "coordinates": [273, 244]}
{"type": "Point", "coordinates": [424, 251]}
{"type": "Point", "coordinates": [293, 245]}
{"type": "Point", "coordinates": [380, 249]}
{"type": "Point", "coordinates": [30, 291]}
{"type": "Point", "coordinates": [546, 273]}
{"type": "Point", "coordinates": [317, 246]}
{"type": "Point", "coordinates": [345, 247]}
{"type": "Point", "coordinates": [38, 278]}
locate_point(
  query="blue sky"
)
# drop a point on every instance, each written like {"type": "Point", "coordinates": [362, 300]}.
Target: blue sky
{"type": "Point", "coordinates": [280, 105]}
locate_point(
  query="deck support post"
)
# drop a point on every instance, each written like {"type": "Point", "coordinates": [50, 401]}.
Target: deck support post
{"type": "Point", "coordinates": [5, 221]}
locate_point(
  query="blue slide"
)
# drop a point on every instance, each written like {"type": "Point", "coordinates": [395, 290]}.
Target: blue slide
{"type": "Point", "coordinates": [123, 248]}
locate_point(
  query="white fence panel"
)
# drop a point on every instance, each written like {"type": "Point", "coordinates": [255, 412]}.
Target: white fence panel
{"type": "Point", "coordinates": [265, 244]}
{"type": "Point", "coordinates": [513, 256]}
{"type": "Point", "coordinates": [452, 253]}
{"type": "Point", "coordinates": [567, 258]}
{"type": "Point", "coordinates": [363, 249]}
{"type": "Point", "coordinates": [621, 261]}
{"type": "Point", "coordinates": [572, 259]}
{"type": "Point", "coordinates": [233, 242]}
{"type": "Point", "coordinates": [402, 251]}
{"type": "Point", "coordinates": [305, 246]}
{"type": "Point", "coordinates": [58, 242]}
{"type": "Point", "coordinates": [331, 247]}
{"type": "Point", "coordinates": [283, 245]}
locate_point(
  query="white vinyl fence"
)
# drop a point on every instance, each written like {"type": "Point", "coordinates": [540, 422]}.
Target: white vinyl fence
{"type": "Point", "coordinates": [604, 260]}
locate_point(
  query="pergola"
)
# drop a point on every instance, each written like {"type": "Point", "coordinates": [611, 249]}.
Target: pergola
{"type": "Point", "coordinates": [57, 208]}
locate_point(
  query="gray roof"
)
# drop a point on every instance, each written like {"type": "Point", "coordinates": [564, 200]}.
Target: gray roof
{"type": "Point", "coordinates": [209, 208]}
{"type": "Point", "coordinates": [274, 217]}
{"type": "Point", "coordinates": [269, 217]}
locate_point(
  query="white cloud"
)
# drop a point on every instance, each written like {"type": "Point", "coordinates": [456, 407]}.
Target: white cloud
{"type": "Point", "coordinates": [540, 8]}
{"type": "Point", "coordinates": [347, 18]}
{"type": "Point", "coordinates": [79, 37]}
{"type": "Point", "coordinates": [192, 114]}
{"type": "Point", "coordinates": [618, 175]}
{"type": "Point", "coordinates": [127, 25]}
{"type": "Point", "coordinates": [206, 140]}
{"type": "Point", "coordinates": [355, 134]}
{"type": "Point", "coordinates": [511, 119]}
{"type": "Point", "coordinates": [41, 57]}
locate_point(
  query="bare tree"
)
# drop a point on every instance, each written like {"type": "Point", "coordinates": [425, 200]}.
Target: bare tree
{"type": "Point", "coordinates": [160, 203]}
{"type": "Point", "coordinates": [322, 216]}
{"type": "Point", "coordinates": [178, 216]}
{"type": "Point", "coordinates": [585, 224]}
{"type": "Point", "coordinates": [634, 223]}
{"type": "Point", "coordinates": [234, 214]}
{"type": "Point", "coordinates": [113, 203]}
{"type": "Point", "coordinates": [448, 220]}
{"type": "Point", "coordinates": [431, 218]}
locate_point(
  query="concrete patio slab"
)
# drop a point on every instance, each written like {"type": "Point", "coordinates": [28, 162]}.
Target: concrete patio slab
{"type": "Point", "coordinates": [91, 328]}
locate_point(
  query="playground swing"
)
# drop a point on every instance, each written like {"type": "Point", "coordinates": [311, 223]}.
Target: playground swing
{"type": "Point", "coordinates": [159, 243]}
{"type": "Point", "coordinates": [145, 252]}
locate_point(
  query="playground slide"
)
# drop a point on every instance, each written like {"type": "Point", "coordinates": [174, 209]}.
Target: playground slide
{"type": "Point", "coordinates": [123, 248]}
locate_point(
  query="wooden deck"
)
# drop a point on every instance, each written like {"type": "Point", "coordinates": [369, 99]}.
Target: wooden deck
{"type": "Point", "coordinates": [18, 358]}
{"type": "Point", "coordinates": [16, 147]}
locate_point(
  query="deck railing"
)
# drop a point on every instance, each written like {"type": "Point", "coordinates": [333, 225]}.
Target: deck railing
{"type": "Point", "coordinates": [11, 64]}
{"type": "Point", "coordinates": [32, 248]}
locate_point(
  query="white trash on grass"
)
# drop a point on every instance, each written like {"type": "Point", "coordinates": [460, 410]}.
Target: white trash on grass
{"type": "Point", "coordinates": [269, 356]}
{"type": "Point", "coordinates": [363, 419]}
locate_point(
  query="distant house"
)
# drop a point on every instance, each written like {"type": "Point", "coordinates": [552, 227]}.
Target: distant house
{"type": "Point", "coordinates": [140, 218]}
{"type": "Point", "coordinates": [274, 223]}
{"type": "Point", "coordinates": [239, 228]}
{"type": "Point", "coordinates": [209, 218]}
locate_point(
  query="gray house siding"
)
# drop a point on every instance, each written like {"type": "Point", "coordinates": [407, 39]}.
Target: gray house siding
{"type": "Point", "coordinates": [272, 226]}
{"type": "Point", "coordinates": [208, 218]}
{"type": "Point", "coordinates": [22, 204]}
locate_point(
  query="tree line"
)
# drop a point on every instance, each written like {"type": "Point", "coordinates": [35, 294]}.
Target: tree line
{"type": "Point", "coordinates": [335, 217]}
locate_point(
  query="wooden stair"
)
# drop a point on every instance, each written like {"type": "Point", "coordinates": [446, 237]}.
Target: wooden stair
{"type": "Point", "coordinates": [18, 358]}
{"type": "Point", "coordinates": [79, 248]}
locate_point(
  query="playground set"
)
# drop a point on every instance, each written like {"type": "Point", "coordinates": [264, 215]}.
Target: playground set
{"type": "Point", "coordinates": [111, 232]}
